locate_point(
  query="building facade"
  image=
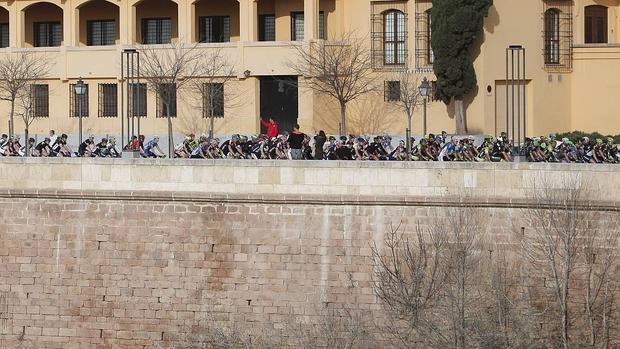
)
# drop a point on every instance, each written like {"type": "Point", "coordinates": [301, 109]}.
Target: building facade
{"type": "Point", "coordinates": [571, 64]}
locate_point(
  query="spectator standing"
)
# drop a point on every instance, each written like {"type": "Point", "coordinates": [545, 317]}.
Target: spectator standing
{"type": "Point", "coordinates": [272, 127]}
{"type": "Point", "coordinates": [319, 142]}
{"type": "Point", "coordinates": [296, 142]}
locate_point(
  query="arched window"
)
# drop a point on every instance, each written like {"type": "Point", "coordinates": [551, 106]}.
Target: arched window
{"type": "Point", "coordinates": [394, 37]}
{"type": "Point", "coordinates": [595, 24]}
{"type": "Point", "coordinates": [552, 36]}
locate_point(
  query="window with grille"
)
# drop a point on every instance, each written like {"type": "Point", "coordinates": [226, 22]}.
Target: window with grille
{"type": "Point", "coordinates": [267, 28]}
{"type": "Point", "coordinates": [595, 24]}
{"type": "Point", "coordinates": [78, 103]}
{"type": "Point", "coordinates": [156, 31]}
{"type": "Point", "coordinates": [424, 56]}
{"type": "Point", "coordinates": [167, 93]}
{"type": "Point", "coordinates": [297, 26]}
{"type": "Point", "coordinates": [214, 28]}
{"type": "Point", "coordinates": [101, 32]}
{"type": "Point", "coordinates": [40, 100]}
{"type": "Point", "coordinates": [4, 35]}
{"type": "Point", "coordinates": [47, 34]}
{"type": "Point", "coordinates": [394, 37]}
{"type": "Point", "coordinates": [389, 33]}
{"type": "Point", "coordinates": [392, 91]}
{"type": "Point", "coordinates": [213, 100]}
{"type": "Point", "coordinates": [137, 93]}
{"type": "Point", "coordinates": [552, 36]}
{"type": "Point", "coordinates": [108, 102]}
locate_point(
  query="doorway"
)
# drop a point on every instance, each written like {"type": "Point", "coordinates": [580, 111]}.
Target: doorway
{"type": "Point", "coordinates": [279, 100]}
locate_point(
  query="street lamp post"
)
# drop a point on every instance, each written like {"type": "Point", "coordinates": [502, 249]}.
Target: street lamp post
{"type": "Point", "coordinates": [425, 90]}
{"type": "Point", "coordinates": [80, 90]}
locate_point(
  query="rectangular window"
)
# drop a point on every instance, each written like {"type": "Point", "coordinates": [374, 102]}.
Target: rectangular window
{"type": "Point", "coordinates": [40, 100]}
{"type": "Point", "coordinates": [166, 93]}
{"type": "Point", "coordinates": [78, 103]}
{"type": "Point", "coordinates": [47, 34]}
{"type": "Point", "coordinates": [137, 93]}
{"type": "Point", "coordinates": [267, 28]}
{"type": "Point", "coordinates": [156, 31]}
{"type": "Point", "coordinates": [392, 91]}
{"type": "Point", "coordinates": [214, 29]}
{"type": "Point", "coordinates": [213, 100]}
{"type": "Point", "coordinates": [297, 26]}
{"type": "Point", "coordinates": [108, 102]}
{"type": "Point", "coordinates": [101, 32]}
{"type": "Point", "coordinates": [4, 35]}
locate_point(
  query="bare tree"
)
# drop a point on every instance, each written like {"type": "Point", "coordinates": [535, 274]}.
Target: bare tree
{"type": "Point", "coordinates": [217, 71]}
{"type": "Point", "coordinates": [26, 110]}
{"type": "Point", "coordinates": [434, 285]}
{"type": "Point", "coordinates": [341, 69]}
{"type": "Point", "coordinates": [409, 98]}
{"type": "Point", "coordinates": [167, 71]}
{"type": "Point", "coordinates": [568, 248]}
{"type": "Point", "coordinates": [18, 71]}
{"type": "Point", "coordinates": [220, 336]}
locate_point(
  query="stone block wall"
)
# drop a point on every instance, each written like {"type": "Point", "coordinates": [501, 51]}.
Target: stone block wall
{"type": "Point", "coordinates": [93, 269]}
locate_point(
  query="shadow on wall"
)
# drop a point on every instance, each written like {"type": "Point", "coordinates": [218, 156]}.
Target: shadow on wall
{"type": "Point", "coordinates": [492, 20]}
{"type": "Point", "coordinates": [369, 115]}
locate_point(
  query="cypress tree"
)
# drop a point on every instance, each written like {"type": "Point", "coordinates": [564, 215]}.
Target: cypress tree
{"type": "Point", "coordinates": [455, 26]}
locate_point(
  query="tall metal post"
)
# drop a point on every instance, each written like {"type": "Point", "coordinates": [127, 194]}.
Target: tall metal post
{"type": "Point", "coordinates": [425, 98]}
{"type": "Point", "coordinates": [516, 83]}
{"type": "Point", "coordinates": [130, 93]}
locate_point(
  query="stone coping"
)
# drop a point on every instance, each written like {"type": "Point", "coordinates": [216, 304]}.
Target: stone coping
{"type": "Point", "coordinates": [291, 199]}
{"type": "Point", "coordinates": [320, 164]}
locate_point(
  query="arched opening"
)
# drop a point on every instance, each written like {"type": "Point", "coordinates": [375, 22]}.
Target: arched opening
{"type": "Point", "coordinates": [595, 30]}
{"type": "Point", "coordinates": [99, 23]}
{"type": "Point", "coordinates": [216, 21]}
{"type": "Point", "coordinates": [156, 22]}
{"type": "Point", "coordinates": [4, 27]}
{"type": "Point", "coordinates": [43, 25]}
{"type": "Point", "coordinates": [552, 36]}
{"type": "Point", "coordinates": [394, 37]}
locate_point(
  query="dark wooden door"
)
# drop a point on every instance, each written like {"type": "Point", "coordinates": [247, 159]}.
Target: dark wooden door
{"type": "Point", "coordinates": [279, 100]}
{"type": "Point", "coordinates": [595, 24]}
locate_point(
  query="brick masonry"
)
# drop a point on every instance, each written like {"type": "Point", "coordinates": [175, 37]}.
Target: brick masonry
{"type": "Point", "coordinates": [82, 269]}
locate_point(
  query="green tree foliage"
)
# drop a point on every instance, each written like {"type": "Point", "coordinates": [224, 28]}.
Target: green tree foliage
{"type": "Point", "coordinates": [455, 26]}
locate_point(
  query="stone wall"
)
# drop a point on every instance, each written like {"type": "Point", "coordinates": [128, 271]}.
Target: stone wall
{"type": "Point", "coordinates": [170, 249]}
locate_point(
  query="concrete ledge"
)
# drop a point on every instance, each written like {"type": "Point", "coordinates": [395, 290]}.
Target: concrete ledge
{"type": "Point", "coordinates": [314, 181]}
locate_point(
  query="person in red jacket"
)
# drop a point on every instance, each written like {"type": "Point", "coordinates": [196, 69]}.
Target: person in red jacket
{"type": "Point", "coordinates": [272, 127]}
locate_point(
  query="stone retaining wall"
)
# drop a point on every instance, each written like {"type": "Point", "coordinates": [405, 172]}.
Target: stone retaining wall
{"type": "Point", "coordinates": [133, 255]}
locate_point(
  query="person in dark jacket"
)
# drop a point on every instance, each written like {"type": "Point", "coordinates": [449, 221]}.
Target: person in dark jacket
{"type": "Point", "coordinates": [319, 142]}
{"type": "Point", "coordinates": [296, 142]}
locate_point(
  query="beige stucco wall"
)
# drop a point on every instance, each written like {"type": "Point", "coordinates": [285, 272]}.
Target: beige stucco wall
{"type": "Point", "coordinates": [581, 98]}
